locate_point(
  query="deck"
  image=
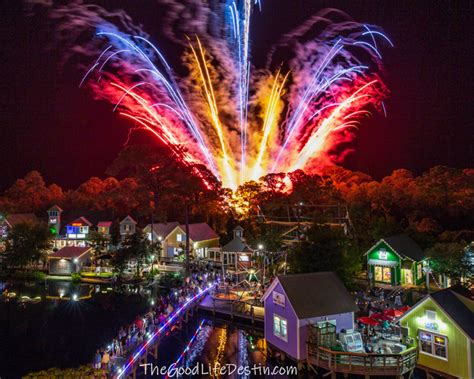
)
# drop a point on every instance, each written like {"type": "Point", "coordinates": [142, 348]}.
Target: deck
{"type": "Point", "coordinates": [362, 364]}
{"type": "Point", "coordinates": [232, 309]}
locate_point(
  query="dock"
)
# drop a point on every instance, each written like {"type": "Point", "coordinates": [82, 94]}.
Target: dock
{"type": "Point", "coordinates": [232, 309]}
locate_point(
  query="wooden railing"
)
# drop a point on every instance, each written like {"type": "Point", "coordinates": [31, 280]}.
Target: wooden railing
{"type": "Point", "coordinates": [361, 363]}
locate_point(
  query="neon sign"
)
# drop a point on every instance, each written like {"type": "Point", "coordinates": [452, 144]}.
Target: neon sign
{"type": "Point", "coordinates": [383, 254]}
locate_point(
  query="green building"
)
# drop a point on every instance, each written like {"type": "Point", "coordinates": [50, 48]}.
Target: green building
{"type": "Point", "coordinates": [396, 260]}
{"type": "Point", "coordinates": [442, 327]}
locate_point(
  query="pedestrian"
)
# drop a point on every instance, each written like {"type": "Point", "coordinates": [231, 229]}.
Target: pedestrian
{"type": "Point", "coordinates": [97, 360]}
{"type": "Point", "coordinates": [105, 360]}
{"type": "Point", "coordinates": [398, 300]}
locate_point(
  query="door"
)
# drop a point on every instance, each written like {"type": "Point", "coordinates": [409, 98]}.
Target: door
{"type": "Point", "coordinates": [408, 276]}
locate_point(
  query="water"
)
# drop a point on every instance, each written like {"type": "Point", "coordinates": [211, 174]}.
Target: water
{"type": "Point", "coordinates": [58, 324]}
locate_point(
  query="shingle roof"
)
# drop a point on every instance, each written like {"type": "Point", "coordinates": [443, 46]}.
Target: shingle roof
{"type": "Point", "coordinates": [69, 252]}
{"type": "Point", "coordinates": [129, 218]}
{"type": "Point", "coordinates": [81, 220]}
{"type": "Point", "coordinates": [18, 218]}
{"type": "Point", "coordinates": [457, 307]}
{"type": "Point", "coordinates": [200, 232]}
{"type": "Point", "coordinates": [164, 228]}
{"type": "Point", "coordinates": [237, 245]}
{"type": "Point", "coordinates": [317, 294]}
{"type": "Point", "coordinates": [105, 224]}
{"type": "Point", "coordinates": [405, 247]}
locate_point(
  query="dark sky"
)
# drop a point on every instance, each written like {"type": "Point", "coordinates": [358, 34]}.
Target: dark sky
{"type": "Point", "coordinates": [48, 124]}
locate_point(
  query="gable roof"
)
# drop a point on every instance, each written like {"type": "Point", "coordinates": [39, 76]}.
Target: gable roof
{"type": "Point", "coordinates": [104, 224]}
{"type": "Point", "coordinates": [81, 220]}
{"type": "Point", "coordinates": [200, 232]}
{"type": "Point", "coordinates": [128, 218]}
{"type": "Point", "coordinates": [18, 218]}
{"type": "Point", "coordinates": [56, 208]}
{"type": "Point", "coordinates": [404, 246]}
{"type": "Point", "coordinates": [70, 252]}
{"type": "Point", "coordinates": [163, 229]}
{"type": "Point", "coordinates": [458, 308]}
{"type": "Point", "coordinates": [316, 294]}
{"type": "Point", "coordinates": [237, 245]}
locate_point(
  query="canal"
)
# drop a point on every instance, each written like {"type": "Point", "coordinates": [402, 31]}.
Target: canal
{"type": "Point", "coordinates": [61, 324]}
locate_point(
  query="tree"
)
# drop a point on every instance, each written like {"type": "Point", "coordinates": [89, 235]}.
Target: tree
{"type": "Point", "coordinates": [325, 249]}
{"type": "Point", "coordinates": [452, 260]}
{"type": "Point", "coordinates": [135, 247]}
{"type": "Point", "coordinates": [27, 243]}
{"type": "Point", "coordinates": [99, 243]}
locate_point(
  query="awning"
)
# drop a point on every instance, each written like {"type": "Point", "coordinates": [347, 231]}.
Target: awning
{"type": "Point", "coordinates": [381, 262]}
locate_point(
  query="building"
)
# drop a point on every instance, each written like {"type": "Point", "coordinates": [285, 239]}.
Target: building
{"type": "Point", "coordinates": [103, 227]}
{"type": "Point", "coordinates": [54, 219]}
{"type": "Point", "coordinates": [442, 325]}
{"type": "Point", "coordinates": [68, 260]}
{"type": "Point", "coordinates": [9, 221]}
{"type": "Point", "coordinates": [294, 303]}
{"type": "Point", "coordinates": [172, 236]}
{"type": "Point", "coordinates": [128, 226]}
{"type": "Point", "coordinates": [396, 260]}
{"type": "Point", "coordinates": [76, 233]}
{"type": "Point", "coordinates": [236, 256]}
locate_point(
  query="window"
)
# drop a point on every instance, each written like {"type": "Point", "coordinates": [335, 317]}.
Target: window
{"type": "Point", "coordinates": [127, 227]}
{"type": "Point", "coordinates": [433, 344]}
{"type": "Point", "coordinates": [419, 271]}
{"type": "Point", "coordinates": [280, 327]}
{"type": "Point", "coordinates": [179, 237]}
{"type": "Point", "coordinates": [383, 274]}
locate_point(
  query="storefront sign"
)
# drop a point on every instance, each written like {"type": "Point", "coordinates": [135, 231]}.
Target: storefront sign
{"type": "Point", "coordinates": [383, 254]}
{"type": "Point", "coordinates": [279, 299]}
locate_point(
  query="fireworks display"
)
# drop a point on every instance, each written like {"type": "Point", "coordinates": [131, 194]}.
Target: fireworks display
{"type": "Point", "coordinates": [240, 121]}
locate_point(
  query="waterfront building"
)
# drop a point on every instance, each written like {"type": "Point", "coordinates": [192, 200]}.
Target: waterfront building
{"type": "Point", "coordinates": [295, 303]}
{"type": "Point", "coordinates": [54, 219]}
{"type": "Point", "coordinates": [76, 233]}
{"type": "Point", "coordinates": [442, 325]}
{"type": "Point", "coordinates": [395, 261]}
{"type": "Point", "coordinates": [128, 226]}
{"type": "Point", "coordinates": [236, 256]}
{"type": "Point", "coordinates": [103, 227]}
{"type": "Point", "coordinates": [7, 222]}
{"type": "Point", "coordinates": [172, 236]}
{"type": "Point", "coordinates": [68, 260]}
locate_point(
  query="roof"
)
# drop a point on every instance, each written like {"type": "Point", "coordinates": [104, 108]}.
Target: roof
{"type": "Point", "coordinates": [105, 224]}
{"type": "Point", "coordinates": [128, 218]}
{"type": "Point", "coordinates": [80, 220]}
{"type": "Point", "coordinates": [458, 307]}
{"type": "Point", "coordinates": [317, 294]}
{"type": "Point", "coordinates": [237, 245]}
{"type": "Point", "coordinates": [164, 228]}
{"type": "Point", "coordinates": [405, 247]}
{"type": "Point", "coordinates": [18, 218]}
{"type": "Point", "coordinates": [55, 207]}
{"type": "Point", "coordinates": [200, 232]}
{"type": "Point", "coordinates": [70, 252]}
{"type": "Point", "coordinates": [238, 227]}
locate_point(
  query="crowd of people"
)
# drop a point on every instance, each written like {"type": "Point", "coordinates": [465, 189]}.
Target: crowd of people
{"type": "Point", "coordinates": [129, 338]}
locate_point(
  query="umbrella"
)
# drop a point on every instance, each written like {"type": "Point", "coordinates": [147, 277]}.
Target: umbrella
{"type": "Point", "coordinates": [380, 317]}
{"type": "Point", "coordinates": [404, 309]}
{"type": "Point", "coordinates": [368, 321]}
{"type": "Point", "coordinates": [393, 313]}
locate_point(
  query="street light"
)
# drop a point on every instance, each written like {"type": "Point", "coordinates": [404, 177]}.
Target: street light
{"type": "Point", "coordinates": [260, 246]}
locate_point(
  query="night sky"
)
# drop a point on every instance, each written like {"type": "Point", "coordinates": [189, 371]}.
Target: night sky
{"type": "Point", "coordinates": [48, 124]}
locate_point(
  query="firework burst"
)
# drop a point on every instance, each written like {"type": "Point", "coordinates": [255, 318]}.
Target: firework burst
{"type": "Point", "coordinates": [239, 121]}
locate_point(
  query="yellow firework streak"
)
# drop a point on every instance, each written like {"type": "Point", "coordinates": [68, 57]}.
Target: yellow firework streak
{"type": "Point", "coordinates": [214, 112]}
{"type": "Point", "coordinates": [270, 122]}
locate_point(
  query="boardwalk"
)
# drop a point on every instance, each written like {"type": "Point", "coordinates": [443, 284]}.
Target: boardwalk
{"type": "Point", "coordinates": [150, 346]}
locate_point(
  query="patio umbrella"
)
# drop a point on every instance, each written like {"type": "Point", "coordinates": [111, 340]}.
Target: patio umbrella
{"type": "Point", "coordinates": [404, 309]}
{"type": "Point", "coordinates": [380, 317]}
{"type": "Point", "coordinates": [368, 321]}
{"type": "Point", "coordinates": [393, 313]}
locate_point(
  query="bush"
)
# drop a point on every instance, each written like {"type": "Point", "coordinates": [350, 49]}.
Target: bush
{"type": "Point", "coordinates": [171, 280]}
{"type": "Point", "coordinates": [76, 277]}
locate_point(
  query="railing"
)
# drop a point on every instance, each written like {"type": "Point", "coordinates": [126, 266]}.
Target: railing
{"type": "Point", "coordinates": [361, 363]}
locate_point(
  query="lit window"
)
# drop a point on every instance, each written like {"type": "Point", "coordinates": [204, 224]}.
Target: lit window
{"type": "Point", "coordinates": [433, 344]}
{"type": "Point", "coordinates": [280, 327]}
{"type": "Point", "coordinates": [179, 237]}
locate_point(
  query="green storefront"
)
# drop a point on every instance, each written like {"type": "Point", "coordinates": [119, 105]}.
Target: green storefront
{"type": "Point", "coordinates": [395, 261]}
{"type": "Point", "coordinates": [441, 326]}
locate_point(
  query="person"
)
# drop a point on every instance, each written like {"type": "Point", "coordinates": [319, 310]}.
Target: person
{"type": "Point", "coordinates": [398, 300]}
{"type": "Point", "coordinates": [105, 360]}
{"type": "Point", "coordinates": [97, 360]}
